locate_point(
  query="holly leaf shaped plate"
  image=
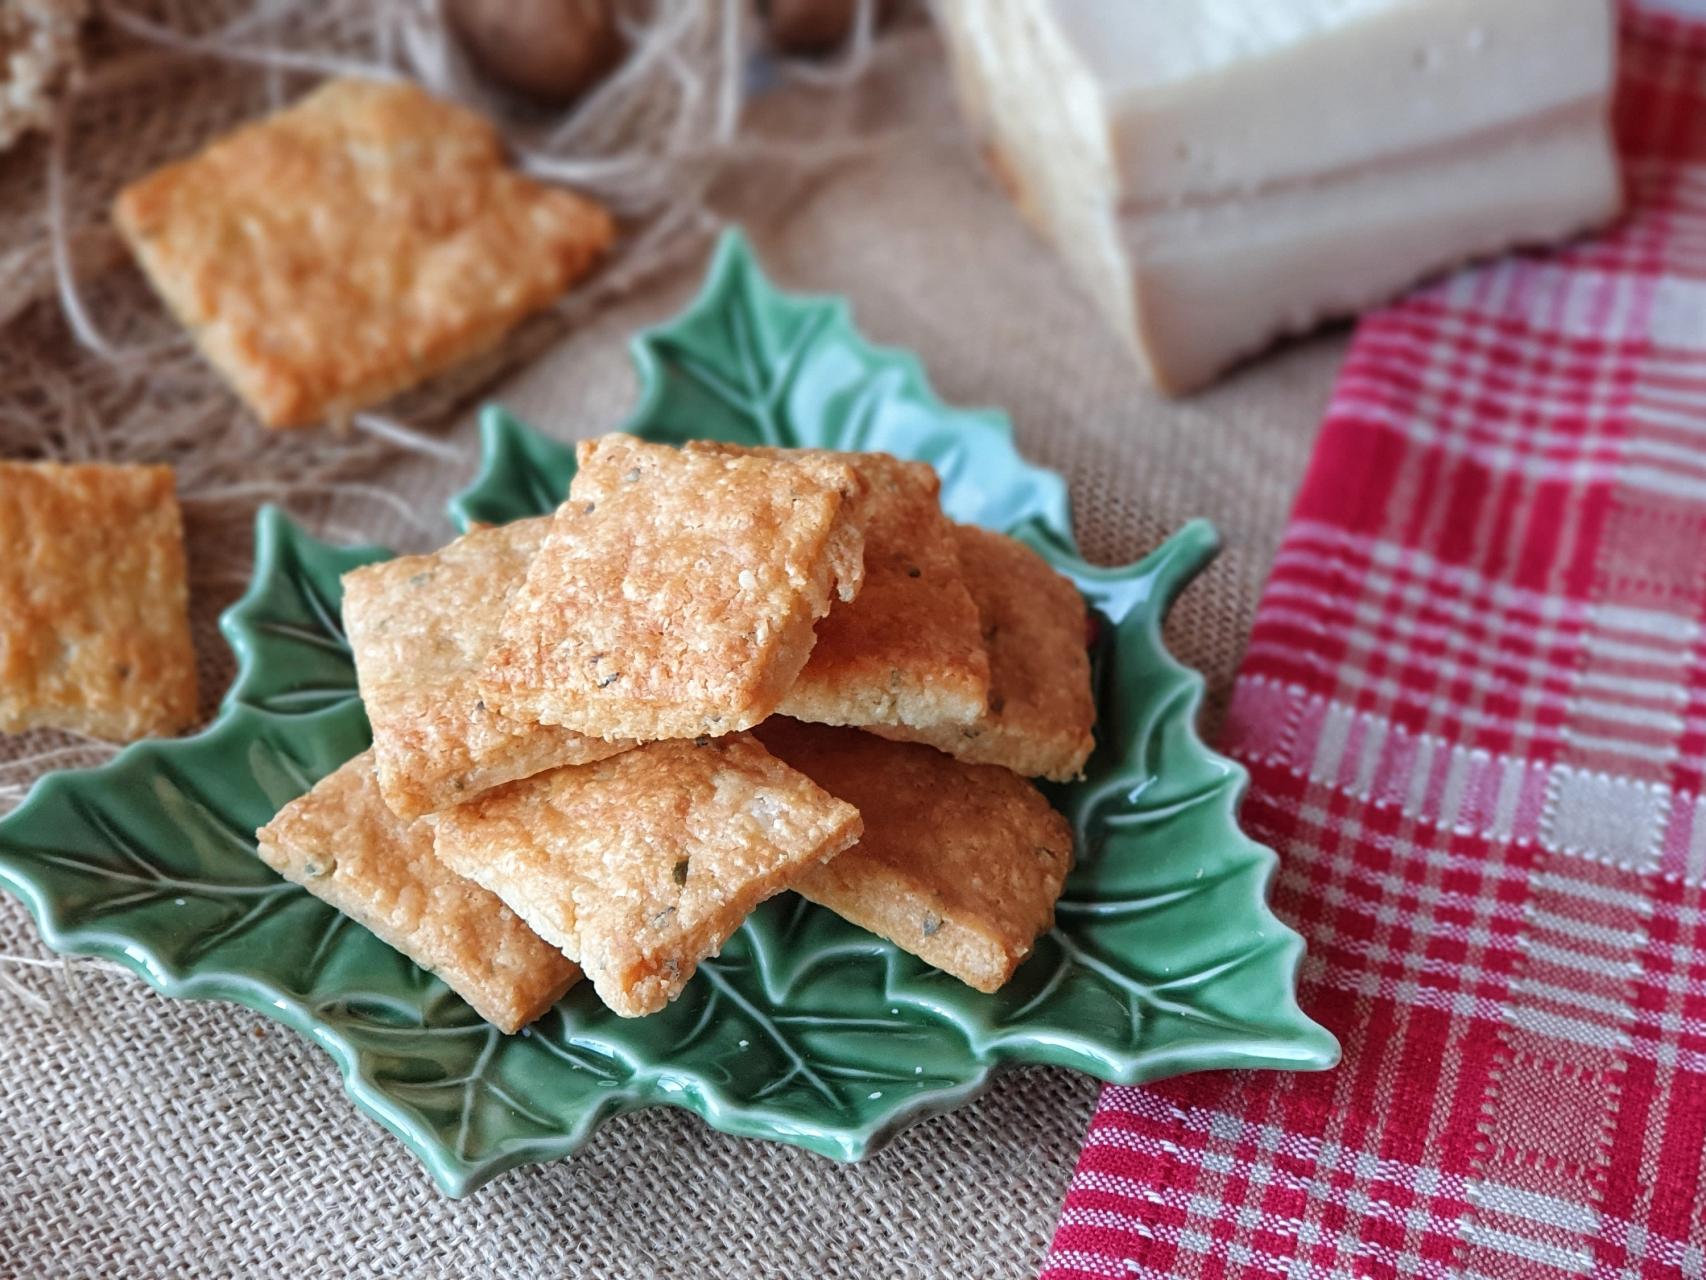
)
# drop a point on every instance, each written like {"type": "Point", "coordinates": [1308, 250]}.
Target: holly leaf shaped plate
{"type": "Point", "coordinates": [1165, 957]}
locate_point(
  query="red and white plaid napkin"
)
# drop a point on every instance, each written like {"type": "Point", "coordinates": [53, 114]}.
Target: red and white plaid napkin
{"type": "Point", "coordinates": [1474, 709]}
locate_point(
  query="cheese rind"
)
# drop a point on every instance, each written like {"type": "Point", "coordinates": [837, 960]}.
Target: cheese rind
{"type": "Point", "coordinates": [1223, 175]}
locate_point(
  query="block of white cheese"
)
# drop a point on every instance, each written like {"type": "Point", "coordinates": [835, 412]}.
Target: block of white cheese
{"type": "Point", "coordinates": [1220, 173]}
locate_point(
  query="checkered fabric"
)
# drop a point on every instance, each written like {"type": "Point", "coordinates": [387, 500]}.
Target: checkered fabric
{"type": "Point", "coordinates": [1474, 710]}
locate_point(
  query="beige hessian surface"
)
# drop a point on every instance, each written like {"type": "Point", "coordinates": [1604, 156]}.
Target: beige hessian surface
{"type": "Point", "coordinates": [143, 1137]}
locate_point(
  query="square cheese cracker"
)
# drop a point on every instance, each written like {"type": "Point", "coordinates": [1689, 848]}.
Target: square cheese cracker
{"type": "Point", "coordinates": [94, 623]}
{"type": "Point", "coordinates": [675, 594]}
{"type": "Point", "coordinates": [1040, 710]}
{"type": "Point", "coordinates": [344, 845]}
{"type": "Point", "coordinates": [960, 864]}
{"type": "Point", "coordinates": [352, 245]}
{"type": "Point", "coordinates": [907, 651]}
{"type": "Point", "coordinates": [420, 627]}
{"type": "Point", "coordinates": [642, 865]}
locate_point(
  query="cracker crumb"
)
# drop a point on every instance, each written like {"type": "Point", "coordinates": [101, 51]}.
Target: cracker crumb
{"type": "Point", "coordinates": [38, 55]}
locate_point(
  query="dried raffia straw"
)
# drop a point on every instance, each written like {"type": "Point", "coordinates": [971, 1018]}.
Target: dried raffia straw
{"type": "Point", "coordinates": [67, 968]}
{"type": "Point", "coordinates": [406, 437]}
{"type": "Point", "coordinates": [33, 754]}
{"type": "Point", "coordinates": [18, 989]}
{"type": "Point", "coordinates": [854, 61]}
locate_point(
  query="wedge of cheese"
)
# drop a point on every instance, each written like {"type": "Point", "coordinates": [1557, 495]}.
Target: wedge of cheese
{"type": "Point", "coordinates": [1220, 173]}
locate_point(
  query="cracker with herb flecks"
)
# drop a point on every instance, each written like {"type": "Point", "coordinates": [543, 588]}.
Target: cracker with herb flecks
{"type": "Point", "coordinates": [960, 864]}
{"type": "Point", "coordinates": [675, 594]}
{"type": "Point", "coordinates": [94, 623]}
{"type": "Point", "coordinates": [1040, 710]}
{"type": "Point", "coordinates": [420, 628]}
{"type": "Point", "coordinates": [908, 651]}
{"type": "Point", "coordinates": [642, 865]}
{"type": "Point", "coordinates": [353, 244]}
{"type": "Point", "coordinates": [343, 844]}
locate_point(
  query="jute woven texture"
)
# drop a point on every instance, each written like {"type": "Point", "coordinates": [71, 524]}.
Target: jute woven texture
{"type": "Point", "coordinates": [146, 1137]}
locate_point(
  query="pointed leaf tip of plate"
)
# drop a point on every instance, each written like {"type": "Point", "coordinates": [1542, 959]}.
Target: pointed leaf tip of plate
{"type": "Point", "coordinates": [734, 265]}
{"type": "Point", "coordinates": [1185, 554]}
{"type": "Point", "coordinates": [734, 254]}
{"type": "Point", "coordinates": [522, 473]}
{"type": "Point", "coordinates": [286, 629]}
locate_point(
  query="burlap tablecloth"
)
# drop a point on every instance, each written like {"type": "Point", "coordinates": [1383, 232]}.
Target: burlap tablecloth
{"type": "Point", "coordinates": [141, 1136]}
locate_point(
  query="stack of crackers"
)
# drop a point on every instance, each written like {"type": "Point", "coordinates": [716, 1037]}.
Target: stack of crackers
{"type": "Point", "coordinates": [602, 737]}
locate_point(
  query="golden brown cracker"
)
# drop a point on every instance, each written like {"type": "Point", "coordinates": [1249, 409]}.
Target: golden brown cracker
{"type": "Point", "coordinates": [1040, 711]}
{"type": "Point", "coordinates": [420, 628]}
{"type": "Point", "coordinates": [908, 650]}
{"type": "Point", "coordinates": [675, 594]}
{"type": "Point", "coordinates": [353, 244]}
{"type": "Point", "coordinates": [960, 864]}
{"type": "Point", "coordinates": [642, 865]}
{"type": "Point", "coordinates": [343, 844]}
{"type": "Point", "coordinates": [94, 622]}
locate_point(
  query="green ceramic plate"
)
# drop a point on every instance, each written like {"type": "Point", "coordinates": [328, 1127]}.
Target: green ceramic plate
{"type": "Point", "coordinates": [1165, 958]}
